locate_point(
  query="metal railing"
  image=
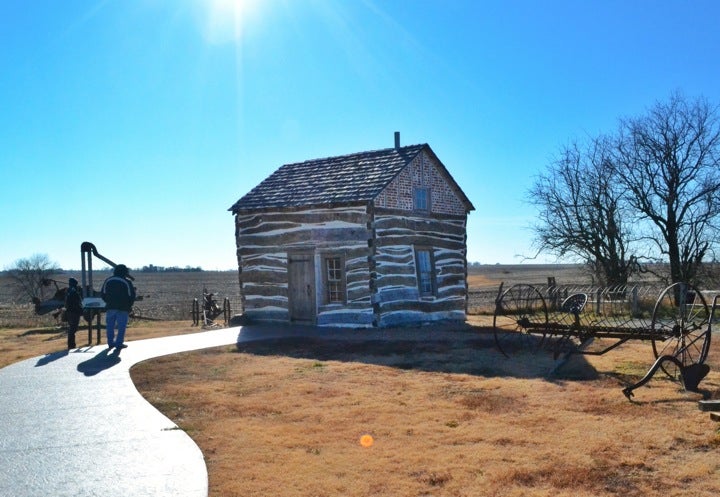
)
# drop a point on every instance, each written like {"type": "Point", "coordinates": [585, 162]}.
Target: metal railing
{"type": "Point", "coordinates": [175, 307]}
{"type": "Point", "coordinates": [169, 308]}
{"type": "Point", "coordinates": [638, 299]}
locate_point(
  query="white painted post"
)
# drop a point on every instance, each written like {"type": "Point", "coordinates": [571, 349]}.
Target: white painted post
{"type": "Point", "coordinates": [635, 303]}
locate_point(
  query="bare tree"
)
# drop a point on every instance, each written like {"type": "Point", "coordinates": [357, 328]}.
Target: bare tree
{"type": "Point", "coordinates": [668, 160]}
{"type": "Point", "coordinates": [30, 275]}
{"type": "Point", "coordinates": [582, 211]}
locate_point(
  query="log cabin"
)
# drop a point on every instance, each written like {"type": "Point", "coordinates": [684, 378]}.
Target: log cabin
{"type": "Point", "coordinates": [370, 239]}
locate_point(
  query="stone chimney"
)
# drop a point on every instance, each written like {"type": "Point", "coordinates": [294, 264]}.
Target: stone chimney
{"type": "Point", "coordinates": [397, 139]}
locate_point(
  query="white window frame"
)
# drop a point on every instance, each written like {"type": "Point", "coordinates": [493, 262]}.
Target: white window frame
{"type": "Point", "coordinates": [421, 193]}
{"type": "Point", "coordinates": [331, 285]}
{"type": "Point", "coordinates": [426, 280]}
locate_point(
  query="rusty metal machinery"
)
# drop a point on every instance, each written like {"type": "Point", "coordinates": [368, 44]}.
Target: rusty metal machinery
{"type": "Point", "coordinates": [93, 305]}
{"type": "Point", "coordinates": [54, 304]}
{"type": "Point", "coordinates": [209, 310]}
{"type": "Point", "coordinates": [527, 318]}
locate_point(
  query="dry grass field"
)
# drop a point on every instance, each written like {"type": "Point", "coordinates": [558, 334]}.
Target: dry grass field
{"type": "Point", "coordinates": [17, 344]}
{"type": "Point", "coordinates": [448, 414]}
{"type": "Point", "coordinates": [490, 276]}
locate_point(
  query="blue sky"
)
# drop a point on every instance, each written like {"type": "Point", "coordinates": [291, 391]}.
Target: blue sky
{"type": "Point", "coordinates": [136, 124]}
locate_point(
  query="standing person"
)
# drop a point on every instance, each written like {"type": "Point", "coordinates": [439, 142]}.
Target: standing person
{"type": "Point", "coordinates": [119, 296]}
{"type": "Point", "coordinates": [73, 310]}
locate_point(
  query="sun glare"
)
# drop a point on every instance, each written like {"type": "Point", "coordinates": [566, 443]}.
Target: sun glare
{"type": "Point", "coordinates": [225, 18]}
{"type": "Point", "coordinates": [235, 7]}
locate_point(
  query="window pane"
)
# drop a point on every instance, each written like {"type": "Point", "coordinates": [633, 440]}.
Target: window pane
{"type": "Point", "coordinates": [424, 261]}
{"type": "Point", "coordinates": [425, 282]}
{"type": "Point", "coordinates": [421, 199]}
{"type": "Point", "coordinates": [334, 276]}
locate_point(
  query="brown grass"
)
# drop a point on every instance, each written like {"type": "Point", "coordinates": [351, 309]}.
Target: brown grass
{"type": "Point", "coordinates": [285, 417]}
{"type": "Point", "coordinates": [18, 344]}
{"type": "Point", "coordinates": [448, 417]}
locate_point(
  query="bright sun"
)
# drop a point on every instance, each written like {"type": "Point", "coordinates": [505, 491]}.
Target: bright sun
{"type": "Point", "coordinates": [235, 7]}
{"type": "Point", "coordinates": [225, 18]}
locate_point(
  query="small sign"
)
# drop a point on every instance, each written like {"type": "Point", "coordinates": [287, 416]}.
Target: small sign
{"type": "Point", "coordinates": [93, 303]}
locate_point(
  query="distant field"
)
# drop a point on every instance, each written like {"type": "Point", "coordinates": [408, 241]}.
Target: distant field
{"type": "Point", "coordinates": [484, 276]}
{"type": "Point", "coordinates": [166, 296]}
{"type": "Point", "coordinates": [226, 282]}
{"type": "Point", "coordinates": [151, 285]}
{"type": "Point", "coordinates": [169, 296]}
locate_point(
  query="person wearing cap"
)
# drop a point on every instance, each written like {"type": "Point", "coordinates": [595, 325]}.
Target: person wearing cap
{"type": "Point", "coordinates": [119, 296]}
{"type": "Point", "coordinates": [73, 310]}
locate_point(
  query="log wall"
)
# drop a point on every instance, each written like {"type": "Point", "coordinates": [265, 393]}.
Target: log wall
{"type": "Point", "coordinates": [263, 242]}
{"type": "Point", "coordinates": [396, 298]}
{"type": "Point", "coordinates": [378, 243]}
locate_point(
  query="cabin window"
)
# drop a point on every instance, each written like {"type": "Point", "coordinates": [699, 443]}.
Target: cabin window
{"type": "Point", "coordinates": [421, 199]}
{"type": "Point", "coordinates": [425, 265]}
{"type": "Point", "coordinates": [334, 276]}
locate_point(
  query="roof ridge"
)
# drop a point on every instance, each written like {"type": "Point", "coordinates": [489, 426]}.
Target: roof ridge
{"type": "Point", "coordinates": [334, 180]}
{"type": "Point", "coordinates": [366, 152]}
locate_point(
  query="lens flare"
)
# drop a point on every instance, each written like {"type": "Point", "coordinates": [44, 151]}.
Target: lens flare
{"type": "Point", "coordinates": [226, 19]}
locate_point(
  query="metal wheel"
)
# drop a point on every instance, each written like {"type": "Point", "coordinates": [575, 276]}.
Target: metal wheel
{"type": "Point", "coordinates": [520, 320]}
{"type": "Point", "coordinates": [567, 317]}
{"type": "Point", "coordinates": [681, 322]}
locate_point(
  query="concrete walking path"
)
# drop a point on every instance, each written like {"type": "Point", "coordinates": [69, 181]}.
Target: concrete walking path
{"type": "Point", "coordinates": [73, 424]}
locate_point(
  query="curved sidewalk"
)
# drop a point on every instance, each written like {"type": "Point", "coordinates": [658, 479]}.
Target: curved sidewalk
{"type": "Point", "coordinates": [73, 424]}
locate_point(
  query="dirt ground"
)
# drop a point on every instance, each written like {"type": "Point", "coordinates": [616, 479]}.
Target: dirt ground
{"type": "Point", "coordinates": [17, 344]}
{"type": "Point", "coordinates": [431, 411]}
{"type": "Point", "coordinates": [444, 415]}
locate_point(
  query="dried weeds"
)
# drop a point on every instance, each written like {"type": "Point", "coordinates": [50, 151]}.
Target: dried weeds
{"type": "Point", "coordinates": [285, 417]}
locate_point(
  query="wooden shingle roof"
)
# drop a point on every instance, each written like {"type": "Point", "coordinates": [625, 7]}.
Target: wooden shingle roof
{"type": "Point", "coordinates": [331, 181]}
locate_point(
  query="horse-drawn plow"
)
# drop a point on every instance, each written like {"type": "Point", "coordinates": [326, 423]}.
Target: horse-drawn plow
{"type": "Point", "coordinates": [678, 324]}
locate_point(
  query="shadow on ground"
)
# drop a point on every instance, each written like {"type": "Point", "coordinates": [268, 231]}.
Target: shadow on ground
{"type": "Point", "coordinates": [462, 350]}
{"type": "Point", "coordinates": [103, 360]}
{"type": "Point", "coordinates": [53, 333]}
{"type": "Point", "coordinates": [48, 358]}
{"type": "Point", "coordinates": [44, 331]}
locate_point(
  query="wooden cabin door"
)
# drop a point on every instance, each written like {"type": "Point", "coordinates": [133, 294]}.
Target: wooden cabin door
{"type": "Point", "coordinates": [301, 286]}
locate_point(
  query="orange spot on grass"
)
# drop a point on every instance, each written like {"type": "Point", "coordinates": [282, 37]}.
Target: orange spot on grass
{"type": "Point", "coordinates": [366, 440]}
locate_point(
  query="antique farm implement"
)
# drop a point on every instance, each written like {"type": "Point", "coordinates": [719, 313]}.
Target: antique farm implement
{"type": "Point", "coordinates": [209, 309]}
{"type": "Point", "coordinates": [678, 324]}
{"type": "Point", "coordinates": [93, 304]}
{"type": "Point", "coordinates": [54, 304]}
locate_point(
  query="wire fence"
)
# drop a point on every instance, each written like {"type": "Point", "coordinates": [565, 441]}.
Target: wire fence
{"type": "Point", "coordinates": [169, 308]}
{"type": "Point", "coordinates": [639, 299]}
{"type": "Point", "coordinates": [481, 301]}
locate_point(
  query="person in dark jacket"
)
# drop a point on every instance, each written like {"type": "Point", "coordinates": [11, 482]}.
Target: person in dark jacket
{"type": "Point", "coordinates": [119, 296]}
{"type": "Point", "coordinates": [73, 310]}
